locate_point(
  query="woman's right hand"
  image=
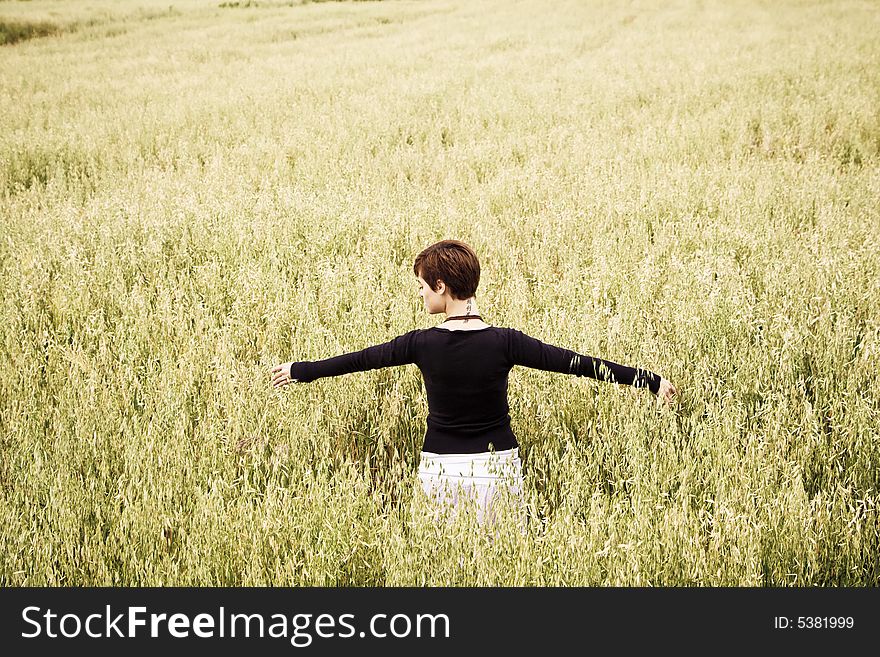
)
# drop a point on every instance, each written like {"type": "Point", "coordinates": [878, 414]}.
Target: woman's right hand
{"type": "Point", "coordinates": [666, 391]}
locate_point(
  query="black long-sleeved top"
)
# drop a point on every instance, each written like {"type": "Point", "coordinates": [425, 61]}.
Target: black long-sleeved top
{"type": "Point", "coordinates": [465, 374]}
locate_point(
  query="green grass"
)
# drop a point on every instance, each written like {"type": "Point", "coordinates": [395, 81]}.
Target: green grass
{"type": "Point", "coordinates": [190, 195]}
{"type": "Point", "coordinates": [14, 31]}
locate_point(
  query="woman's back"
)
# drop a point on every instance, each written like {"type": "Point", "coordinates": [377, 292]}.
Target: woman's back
{"type": "Point", "coordinates": [465, 373]}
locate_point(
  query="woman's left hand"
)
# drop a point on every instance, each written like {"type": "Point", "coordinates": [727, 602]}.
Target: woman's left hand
{"type": "Point", "coordinates": [666, 391]}
{"type": "Point", "coordinates": [281, 375]}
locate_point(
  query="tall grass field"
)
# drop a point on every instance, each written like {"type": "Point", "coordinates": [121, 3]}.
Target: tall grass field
{"type": "Point", "coordinates": [192, 192]}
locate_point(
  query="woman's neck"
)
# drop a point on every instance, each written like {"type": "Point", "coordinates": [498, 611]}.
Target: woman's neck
{"type": "Point", "coordinates": [456, 307]}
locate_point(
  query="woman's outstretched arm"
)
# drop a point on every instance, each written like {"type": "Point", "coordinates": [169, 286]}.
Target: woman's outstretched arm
{"type": "Point", "coordinates": [531, 352]}
{"type": "Point", "coordinates": [399, 351]}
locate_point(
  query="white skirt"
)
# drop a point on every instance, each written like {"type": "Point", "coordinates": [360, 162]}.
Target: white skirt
{"type": "Point", "coordinates": [449, 478]}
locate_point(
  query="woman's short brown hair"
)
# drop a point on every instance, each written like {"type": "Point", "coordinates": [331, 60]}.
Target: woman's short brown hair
{"type": "Point", "coordinates": [453, 262]}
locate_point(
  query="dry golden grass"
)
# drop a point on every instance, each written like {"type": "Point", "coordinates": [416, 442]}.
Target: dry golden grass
{"type": "Point", "coordinates": [191, 193]}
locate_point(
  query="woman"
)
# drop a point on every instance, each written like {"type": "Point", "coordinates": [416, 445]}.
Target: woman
{"type": "Point", "coordinates": [469, 446]}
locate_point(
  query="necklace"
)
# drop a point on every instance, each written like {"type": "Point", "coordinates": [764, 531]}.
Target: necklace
{"type": "Point", "coordinates": [465, 317]}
